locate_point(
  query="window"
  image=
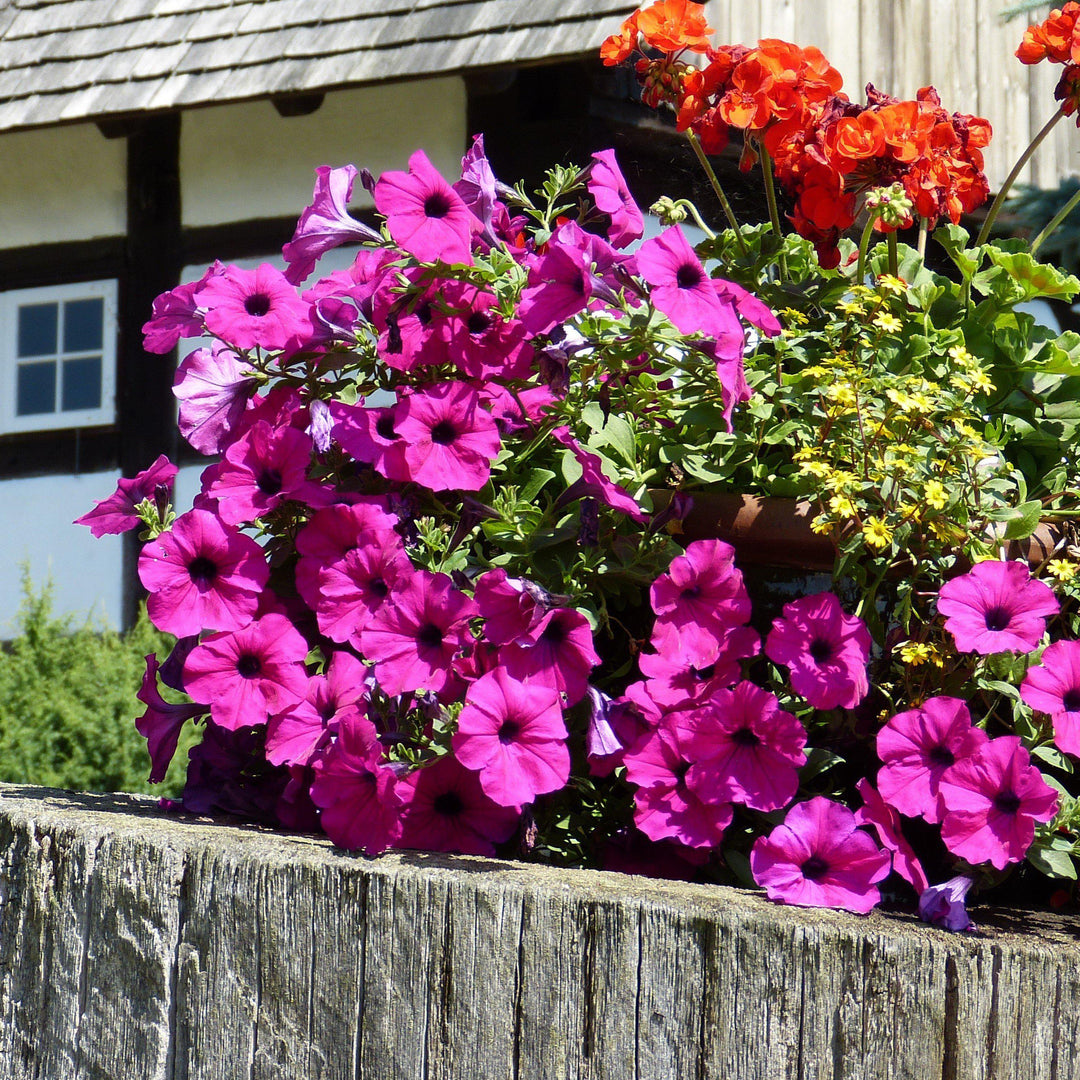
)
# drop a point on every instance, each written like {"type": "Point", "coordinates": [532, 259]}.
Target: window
{"type": "Point", "coordinates": [58, 357]}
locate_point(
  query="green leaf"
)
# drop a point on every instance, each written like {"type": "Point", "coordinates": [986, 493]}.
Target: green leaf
{"type": "Point", "coordinates": [1053, 757]}
{"type": "Point", "coordinates": [1055, 864]}
{"type": "Point", "coordinates": [1027, 519]}
{"type": "Point", "coordinates": [1033, 277]}
{"type": "Point", "coordinates": [955, 242]}
{"type": "Point", "coordinates": [534, 484]}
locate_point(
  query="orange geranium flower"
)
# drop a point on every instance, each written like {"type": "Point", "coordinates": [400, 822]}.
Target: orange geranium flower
{"type": "Point", "coordinates": [1056, 37]}
{"type": "Point", "coordinates": [907, 129]}
{"type": "Point", "coordinates": [671, 25]}
{"type": "Point", "coordinates": [619, 46]}
{"type": "Point", "coordinates": [858, 137]}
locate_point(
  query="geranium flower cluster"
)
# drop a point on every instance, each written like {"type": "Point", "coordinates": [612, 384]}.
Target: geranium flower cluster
{"type": "Point", "coordinates": [826, 150]}
{"type": "Point", "coordinates": [1056, 39]}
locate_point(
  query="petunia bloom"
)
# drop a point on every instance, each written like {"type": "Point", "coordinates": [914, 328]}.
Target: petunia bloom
{"type": "Point", "coordinates": [607, 185]}
{"type": "Point", "coordinates": [993, 798]}
{"type": "Point", "coordinates": [825, 650]}
{"type": "Point", "coordinates": [116, 514]}
{"type": "Point", "coordinates": [944, 905]}
{"type": "Point", "coordinates": [514, 736]}
{"type": "Point", "coordinates": [996, 607]}
{"type": "Point", "coordinates": [917, 746]}
{"type": "Point", "coordinates": [161, 723]}
{"type": "Point", "coordinates": [213, 387]}
{"type": "Point", "coordinates": [819, 858]}
{"type": "Point", "coordinates": [1053, 686]}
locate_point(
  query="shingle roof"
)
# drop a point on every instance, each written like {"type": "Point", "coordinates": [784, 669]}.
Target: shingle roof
{"type": "Point", "coordinates": [66, 60]}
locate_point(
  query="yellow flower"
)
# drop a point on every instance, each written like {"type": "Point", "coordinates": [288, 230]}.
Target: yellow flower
{"type": "Point", "coordinates": [961, 355]}
{"type": "Point", "coordinates": [851, 307]}
{"type": "Point", "coordinates": [794, 317]}
{"type": "Point", "coordinates": [892, 284]}
{"type": "Point", "coordinates": [842, 506]}
{"type": "Point", "coordinates": [917, 653]}
{"type": "Point", "coordinates": [876, 533]}
{"type": "Point", "coordinates": [1062, 569]}
{"type": "Point", "coordinates": [842, 480]}
{"type": "Point", "coordinates": [822, 524]}
{"type": "Point", "coordinates": [889, 323]}
{"type": "Point", "coordinates": [814, 468]}
{"type": "Point", "coordinates": [841, 393]}
{"type": "Point", "coordinates": [935, 494]}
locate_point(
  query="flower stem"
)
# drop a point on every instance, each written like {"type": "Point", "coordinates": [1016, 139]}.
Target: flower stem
{"type": "Point", "coordinates": [774, 210]}
{"type": "Point", "coordinates": [924, 228]}
{"type": "Point", "coordinates": [1054, 222]}
{"type": "Point", "coordinates": [719, 191]}
{"type": "Point", "coordinates": [1021, 161]}
{"type": "Point", "coordinates": [864, 247]}
{"type": "Point", "coordinates": [894, 260]}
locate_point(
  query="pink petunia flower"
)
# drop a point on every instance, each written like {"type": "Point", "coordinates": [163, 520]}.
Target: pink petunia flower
{"type": "Point", "coordinates": [512, 608]}
{"type": "Point", "coordinates": [247, 674]}
{"type": "Point", "coordinates": [446, 810]}
{"type": "Point", "coordinates": [514, 736]}
{"type": "Point", "coordinates": [561, 655]}
{"type": "Point", "coordinates": [819, 858]}
{"type": "Point", "coordinates": [1053, 687]}
{"type": "Point", "coordinates": [450, 438]}
{"type": "Point", "coordinates": [326, 223]}
{"type": "Point", "coordinates": [614, 726]}
{"type": "Point", "coordinates": [116, 514]}
{"type": "Point", "coordinates": [249, 308]}
{"type": "Point", "coordinates": [825, 651]}
{"type": "Point", "coordinates": [415, 635]}
{"type": "Point", "coordinates": [885, 821]}
{"type": "Point", "coordinates": [202, 574]}
{"type": "Point", "coordinates": [559, 286]}
{"type": "Point", "coordinates": [593, 481]}
{"type": "Point", "coordinates": [681, 288]}
{"type": "Point", "coordinates": [358, 795]}
{"type": "Point", "coordinates": [262, 469]}
{"type": "Point", "coordinates": [745, 748]}
{"type": "Point", "coordinates": [160, 725]}
{"type": "Point", "coordinates": [176, 315]}
{"type": "Point", "coordinates": [992, 800]}
{"type": "Point", "coordinates": [917, 747]}
{"type": "Point", "coordinates": [370, 435]}
{"type": "Point", "coordinates": [293, 735]}
{"type": "Point", "coordinates": [607, 185]}
{"type": "Point", "coordinates": [213, 387]}
{"type": "Point", "coordinates": [996, 607]}
{"type": "Point", "coordinates": [424, 214]}
{"type": "Point", "coordinates": [349, 592]}
{"type": "Point", "coordinates": [665, 805]}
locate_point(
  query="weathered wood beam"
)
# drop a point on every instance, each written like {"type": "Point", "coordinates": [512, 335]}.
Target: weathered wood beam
{"type": "Point", "coordinates": [136, 943]}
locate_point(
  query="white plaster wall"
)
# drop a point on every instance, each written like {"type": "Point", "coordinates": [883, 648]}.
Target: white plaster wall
{"type": "Point", "coordinates": [64, 183]}
{"type": "Point", "coordinates": [242, 162]}
{"type": "Point", "coordinates": [36, 530]}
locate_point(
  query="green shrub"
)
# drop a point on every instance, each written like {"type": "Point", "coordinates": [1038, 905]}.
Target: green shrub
{"type": "Point", "coordinates": [68, 705]}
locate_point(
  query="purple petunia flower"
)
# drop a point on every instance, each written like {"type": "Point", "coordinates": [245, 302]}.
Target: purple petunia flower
{"type": "Point", "coordinates": [176, 315]}
{"type": "Point", "coordinates": [202, 574]}
{"type": "Point", "coordinates": [213, 387]}
{"type": "Point", "coordinates": [992, 800]}
{"type": "Point", "coordinates": [819, 858]}
{"type": "Point", "coordinates": [116, 514]}
{"type": "Point", "coordinates": [161, 723]}
{"type": "Point", "coordinates": [1053, 687]}
{"type": "Point", "coordinates": [325, 224]}
{"type": "Point", "coordinates": [825, 650]}
{"type": "Point", "coordinates": [996, 607]}
{"type": "Point", "coordinates": [917, 746]}
{"type": "Point", "coordinates": [424, 214]}
{"type": "Point", "coordinates": [943, 905]}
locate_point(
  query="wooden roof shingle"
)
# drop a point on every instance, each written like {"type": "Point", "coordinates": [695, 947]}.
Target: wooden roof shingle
{"type": "Point", "coordinates": [67, 60]}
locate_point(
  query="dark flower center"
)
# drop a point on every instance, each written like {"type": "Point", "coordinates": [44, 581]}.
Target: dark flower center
{"type": "Point", "coordinates": [1070, 700]}
{"type": "Point", "coordinates": [509, 731]}
{"type": "Point", "coordinates": [703, 673]}
{"type": "Point", "coordinates": [941, 756]}
{"type": "Point", "coordinates": [436, 205]}
{"type": "Point", "coordinates": [248, 666]}
{"type": "Point", "coordinates": [1007, 802]}
{"type": "Point", "coordinates": [688, 276]}
{"type": "Point", "coordinates": [257, 304]}
{"type": "Point", "coordinates": [820, 650]}
{"type": "Point", "coordinates": [554, 633]}
{"type": "Point", "coordinates": [691, 593]}
{"type": "Point", "coordinates": [202, 570]}
{"type": "Point", "coordinates": [384, 427]}
{"type": "Point", "coordinates": [679, 772]}
{"type": "Point", "coordinates": [478, 322]}
{"type": "Point", "coordinates": [269, 482]}
{"type": "Point", "coordinates": [578, 284]}
{"type": "Point", "coordinates": [443, 433]}
{"type": "Point", "coordinates": [423, 313]}
{"type": "Point", "coordinates": [814, 868]}
{"type": "Point", "coordinates": [745, 737]}
{"type": "Point", "coordinates": [430, 636]}
{"type": "Point", "coordinates": [997, 618]}
{"type": "Point", "coordinates": [377, 586]}
{"type": "Point", "coordinates": [448, 803]}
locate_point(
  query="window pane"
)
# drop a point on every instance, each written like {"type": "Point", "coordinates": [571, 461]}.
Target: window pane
{"type": "Point", "coordinates": [37, 389]}
{"type": "Point", "coordinates": [37, 330]}
{"type": "Point", "coordinates": [82, 325]}
{"type": "Point", "coordinates": [82, 383]}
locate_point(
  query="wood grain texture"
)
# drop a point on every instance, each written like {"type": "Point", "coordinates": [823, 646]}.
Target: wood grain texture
{"type": "Point", "coordinates": [139, 945]}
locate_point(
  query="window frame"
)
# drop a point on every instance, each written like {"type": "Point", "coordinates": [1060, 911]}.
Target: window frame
{"type": "Point", "coordinates": [11, 300]}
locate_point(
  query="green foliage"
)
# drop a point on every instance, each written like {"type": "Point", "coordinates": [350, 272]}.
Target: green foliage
{"type": "Point", "coordinates": [68, 705]}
